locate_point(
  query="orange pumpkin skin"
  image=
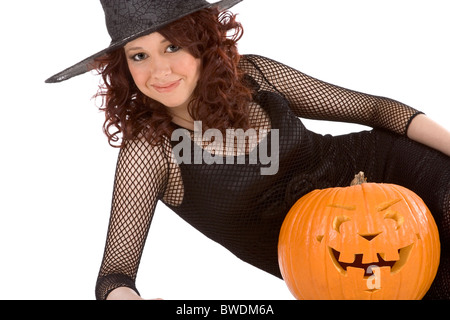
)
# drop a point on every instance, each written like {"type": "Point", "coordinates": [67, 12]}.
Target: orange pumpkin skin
{"type": "Point", "coordinates": [331, 237]}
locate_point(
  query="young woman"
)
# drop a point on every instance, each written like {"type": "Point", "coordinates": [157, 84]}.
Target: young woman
{"type": "Point", "coordinates": [175, 88]}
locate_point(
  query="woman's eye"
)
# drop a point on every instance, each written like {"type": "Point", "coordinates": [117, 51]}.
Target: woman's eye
{"type": "Point", "coordinates": [172, 48]}
{"type": "Point", "coordinates": [139, 57]}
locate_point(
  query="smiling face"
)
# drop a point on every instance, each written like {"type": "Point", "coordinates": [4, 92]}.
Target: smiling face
{"type": "Point", "coordinates": [372, 241]}
{"type": "Point", "coordinates": [368, 233]}
{"type": "Point", "coordinates": [162, 71]}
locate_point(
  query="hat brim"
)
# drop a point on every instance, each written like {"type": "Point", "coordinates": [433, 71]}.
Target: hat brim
{"type": "Point", "coordinates": [87, 64]}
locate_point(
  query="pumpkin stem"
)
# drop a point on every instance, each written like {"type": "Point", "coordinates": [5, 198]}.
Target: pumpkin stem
{"type": "Point", "coordinates": [359, 179]}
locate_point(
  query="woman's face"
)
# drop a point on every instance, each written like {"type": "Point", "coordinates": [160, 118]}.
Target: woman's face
{"type": "Point", "coordinates": [163, 71]}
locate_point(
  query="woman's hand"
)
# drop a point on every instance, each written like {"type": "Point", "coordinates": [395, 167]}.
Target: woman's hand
{"type": "Point", "coordinates": [424, 130]}
{"type": "Point", "coordinates": [123, 293]}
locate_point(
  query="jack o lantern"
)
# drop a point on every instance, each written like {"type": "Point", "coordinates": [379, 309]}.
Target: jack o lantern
{"type": "Point", "coordinates": [366, 241]}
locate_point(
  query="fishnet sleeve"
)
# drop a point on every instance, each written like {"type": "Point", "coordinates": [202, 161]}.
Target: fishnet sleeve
{"type": "Point", "coordinates": [315, 99]}
{"type": "Point", "coordinates": [140, 180]}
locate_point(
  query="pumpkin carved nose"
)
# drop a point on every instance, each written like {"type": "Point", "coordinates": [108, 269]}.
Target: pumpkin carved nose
{"type": "Point", "coordinates": [370, 236]}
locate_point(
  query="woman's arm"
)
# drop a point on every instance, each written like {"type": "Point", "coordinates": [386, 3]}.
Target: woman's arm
{"type": "Point", "coordinates": [315, 99]}
{"type": "Point", "coordinates": [141, 177]}
{"type": "Point", "coordinates": [426, 131]}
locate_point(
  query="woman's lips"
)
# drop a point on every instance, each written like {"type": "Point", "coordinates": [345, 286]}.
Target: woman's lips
{"type": "Point", "coordinates": [167, 87]}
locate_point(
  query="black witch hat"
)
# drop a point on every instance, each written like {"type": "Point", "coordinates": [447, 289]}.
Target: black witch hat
{"type": "Point", "coordinates": [127, 20]}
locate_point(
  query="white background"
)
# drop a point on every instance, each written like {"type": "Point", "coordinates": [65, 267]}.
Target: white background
{"type": "Point", "coordinates": [57, 169]}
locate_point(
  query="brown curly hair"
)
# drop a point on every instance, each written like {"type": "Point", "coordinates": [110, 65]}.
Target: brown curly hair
{"type": "Point", "coordinates": [221, 97]}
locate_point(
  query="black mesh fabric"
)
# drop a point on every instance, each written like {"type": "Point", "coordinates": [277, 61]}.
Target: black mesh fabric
{"type": "Point", "coordinates": [235, 205]}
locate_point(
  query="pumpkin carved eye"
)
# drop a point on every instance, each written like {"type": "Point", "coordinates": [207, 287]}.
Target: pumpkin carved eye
{"type": "Point", "coordinates": [336, 225]}
{"type": "Point", "coordinates": [394, 215]}
{"type": "Point", "coordinates": [391, 214]}
{"type": "Point", "coordinates": [338, 221]}
{"type": "Point", "coordinates": [341, 219]}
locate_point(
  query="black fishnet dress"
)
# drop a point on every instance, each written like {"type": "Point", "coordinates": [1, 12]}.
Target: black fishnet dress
{"type": "Point", "coordinates": [237, 206]}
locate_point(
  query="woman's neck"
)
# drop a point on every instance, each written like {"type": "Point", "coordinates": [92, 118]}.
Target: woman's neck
{"type": "Point", "coordinates": [181, 117]}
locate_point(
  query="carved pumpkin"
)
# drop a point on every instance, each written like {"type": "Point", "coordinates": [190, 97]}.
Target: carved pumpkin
{"type": "Point", "coordinates": [366, 241]}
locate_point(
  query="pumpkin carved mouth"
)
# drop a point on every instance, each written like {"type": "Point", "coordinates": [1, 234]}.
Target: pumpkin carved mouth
{"type": "Point", "coordinates": [395, 265]}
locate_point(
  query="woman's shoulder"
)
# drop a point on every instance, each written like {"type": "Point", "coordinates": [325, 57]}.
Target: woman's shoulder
{"type": "Point", "coordinates": [142, 149]}
{"type": "Point", "coordinates": [253, 64]}
{"type": "Point", "coordinates": [256, 59]}
{"type": "Point", "coordinates": [250, 60]}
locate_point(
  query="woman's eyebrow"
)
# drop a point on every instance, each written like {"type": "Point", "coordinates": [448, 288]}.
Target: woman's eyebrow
{"type": "Point", "coordinates": [140, 48]}
{"type": "Point", "coordinates": [133, 48]}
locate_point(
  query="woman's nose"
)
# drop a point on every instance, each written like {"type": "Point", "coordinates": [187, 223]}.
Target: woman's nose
{"type": "Point", "coordinates": [160, 68]}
